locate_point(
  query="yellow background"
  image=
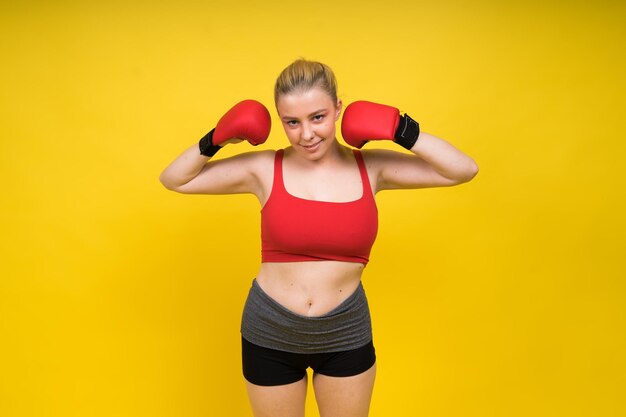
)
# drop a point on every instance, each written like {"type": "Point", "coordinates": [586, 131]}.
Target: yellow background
{"type": "Point", "coordinates": [501, 297]}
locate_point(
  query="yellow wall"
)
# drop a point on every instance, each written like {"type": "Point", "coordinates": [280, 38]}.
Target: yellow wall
{"type": "Point", "coordinates": [501, 297]}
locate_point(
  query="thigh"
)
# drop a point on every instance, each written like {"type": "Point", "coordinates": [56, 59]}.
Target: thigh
{"type": "Point", "coordinates": [344, 363]}
{"type": "Point", "coordinates": [278, 400]}
{"type": "Point", "coordinates": [269, 367]}
{"type": "Point", "coordinates": [347, 396]}
{"type": "Point", "coordinates": [275, 380]}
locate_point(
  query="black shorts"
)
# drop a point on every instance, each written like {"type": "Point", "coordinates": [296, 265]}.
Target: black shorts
{"type": "Point", "coordinates": [268, 367]}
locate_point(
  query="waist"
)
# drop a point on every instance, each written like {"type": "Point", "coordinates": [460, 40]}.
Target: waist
{"type": "Point", "coordinates": [269, 324]}
{"type": "Point", "coordinates": [310, 288]}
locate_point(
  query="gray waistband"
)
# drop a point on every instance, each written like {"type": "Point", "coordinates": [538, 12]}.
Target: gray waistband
{"type": "Point", "coordinates": [267, 323]}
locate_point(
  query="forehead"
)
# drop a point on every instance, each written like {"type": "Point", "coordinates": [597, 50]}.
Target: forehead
{"type": "Point", "coordinates": [303, 103]}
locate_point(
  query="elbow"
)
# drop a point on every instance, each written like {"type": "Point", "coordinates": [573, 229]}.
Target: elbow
{"type": "Point", "coordinates": [467, 174]}
{"type": "Point", "coordinates": [472, 171]}
{"type": "Point", "coordinates": [163, 181]}
{"type": "Point", "coordinates": [167, 183]}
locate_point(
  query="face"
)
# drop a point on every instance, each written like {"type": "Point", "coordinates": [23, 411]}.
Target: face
{"type": "Point", "coordinates": [309, 120]}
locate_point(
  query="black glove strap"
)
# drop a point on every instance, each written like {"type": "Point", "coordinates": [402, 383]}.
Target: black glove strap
{"type": "Point", "coordinates": [407, 132]}
{"type": "Point", "coordinates": [206, 145]}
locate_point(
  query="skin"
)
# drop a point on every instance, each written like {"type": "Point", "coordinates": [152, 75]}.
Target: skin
{"type": "Point", "coordinates": [317, 167]}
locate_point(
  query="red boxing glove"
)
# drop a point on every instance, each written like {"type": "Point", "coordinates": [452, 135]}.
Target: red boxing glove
{"type": "Point", "coordinates": [248, 120]}
{"type": "Point", "coordinates": [364, 121]}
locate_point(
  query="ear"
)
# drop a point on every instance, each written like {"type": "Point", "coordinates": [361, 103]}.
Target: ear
{"type": "Point", "coordinates": [339, 107]}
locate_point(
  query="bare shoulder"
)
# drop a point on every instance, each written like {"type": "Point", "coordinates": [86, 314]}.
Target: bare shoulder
{"type": "Point", "coordinates": [257, 164]}
{"type": "Point", "coordinates": [247, 172]}
{"type": "Point", "coordinates": [261, 162]}
{"type": "Point", "coordinates": [377, 159]}
{"type": "Point", "coordinates": [390, 170]}
{"type": "Point", "coordinates": [263, 170]}
{"type": "Point", "coordinates": [433, 162]}
{"type": "Point", "coordinates": [253, 162]}
{"type": "Point", "coordinates": [251, 157]}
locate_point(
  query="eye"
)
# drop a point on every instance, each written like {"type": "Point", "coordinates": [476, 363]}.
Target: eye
{"type": "Point", "coordinates": [292, 122]}
{"type": "Point", "coordinates": [318, 117]}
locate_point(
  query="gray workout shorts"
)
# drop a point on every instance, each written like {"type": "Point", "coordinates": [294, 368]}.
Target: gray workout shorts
{"type": "Point", "coordinates": [267, 323]}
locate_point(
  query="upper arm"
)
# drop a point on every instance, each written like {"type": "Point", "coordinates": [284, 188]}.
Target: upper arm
{"type": "Point", "coordinates": [240, 174]}
{"type": "Point", "coordinates": [397, 170]}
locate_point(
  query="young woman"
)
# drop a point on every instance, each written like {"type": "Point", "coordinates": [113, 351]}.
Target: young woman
{"type": "Point", "coordinates": [307, 306]}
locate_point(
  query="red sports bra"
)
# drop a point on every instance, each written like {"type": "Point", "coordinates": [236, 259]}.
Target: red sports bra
{"type": "Point", "coordinates": [295, 229]}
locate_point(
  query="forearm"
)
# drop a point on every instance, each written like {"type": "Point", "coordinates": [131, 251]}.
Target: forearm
{"type": "Point", "coordinates": [444, 158]}
{"type": "Point", "coordinates": [184, 168]}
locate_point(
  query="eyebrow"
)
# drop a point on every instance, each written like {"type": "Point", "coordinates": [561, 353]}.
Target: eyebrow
{"type": "Point", "coordinates": [312, 114]}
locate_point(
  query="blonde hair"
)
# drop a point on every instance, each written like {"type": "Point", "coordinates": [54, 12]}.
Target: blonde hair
{"type": "Point", "coordinates": [303, 75]}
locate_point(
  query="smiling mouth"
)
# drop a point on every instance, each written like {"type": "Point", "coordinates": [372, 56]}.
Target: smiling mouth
{"type": "Point", "coordinates": [311, 146]}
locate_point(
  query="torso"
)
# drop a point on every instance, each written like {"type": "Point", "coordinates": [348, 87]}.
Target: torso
{"type": "Point", "coordinates": [309, 288]}
{"type": "Point", "coordinates": [316, 287]}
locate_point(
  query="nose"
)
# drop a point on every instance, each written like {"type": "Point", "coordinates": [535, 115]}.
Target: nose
{"type": "Point", "coordinates": [307, 132]}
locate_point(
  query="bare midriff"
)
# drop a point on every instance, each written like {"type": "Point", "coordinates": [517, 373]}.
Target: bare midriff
{"type": "Point", "coordinates": [310, 288]}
